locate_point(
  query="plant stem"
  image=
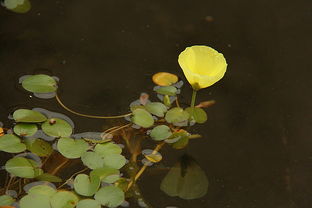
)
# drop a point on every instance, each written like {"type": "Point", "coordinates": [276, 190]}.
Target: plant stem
{"type": "Point", "coordinates": [193, 98]}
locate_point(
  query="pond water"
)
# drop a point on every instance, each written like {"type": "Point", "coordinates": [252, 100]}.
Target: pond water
{"type": "Point", "coordinates": [256, 148]}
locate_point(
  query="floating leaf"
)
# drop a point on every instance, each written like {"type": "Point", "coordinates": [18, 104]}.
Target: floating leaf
{"type": "Point", "coordinates": [176, 115]}
{"type": "Point", "coordinates": [88, 203]}
{"type": "Point", "coordinates": [42, 190]}
{"type": "Point", "coordinates": [21, 167]}
{"type": "Point", "coordinates": [181, 139]}
{"type": "Point", "coordinates": [156, 108]}
{"type": "Point", "coordinates": [107, 175]}
{"type": "Point", "coordinates": [35, 201]}
{"type": "Point", "coordinates": [110, 196]}
{"type": "Point", "coordinates": [160, 133]}
{"type": "Point", "coordinates": [28, 116]}
{"type": "Point", "coordinates": [86, 186]}
{"type": "Point", "coordinates": [25, 129]}
{"type": "Point", "coordinates": [6, 200]}
{"type": "Point", "coordinates": [57, 128]}
{"type": "Point", "coordinates": [185, 180]}
{"type": "Point", "coordinates": [11, 143]}
{"type": "Point", "coordinates": [39, 83]}
{"type": "Point", "coordinates": [152, 156]}
{"type": "Point", "coordinates": [198, 114]}
{"type": "Point", "coordinates": [116, 161]}
{"type": "Point", "coordinates": [72, 148]}
{"type": "Point", "coordinates": [18, 6]}
{"type": "Point", "coordinates": [142, 118]}
{"type": "Point", "coordinates": [39, 147]}
{"type": "Point", "coordinates": [167, 101]}
{"type": "Point", "coordinates": [107, 149]}
{"type": "Point", "coordinates": [164, 78]}
{"type": "Point", "coordinates": [49, 177]}
{"type": "Point", "coordinates": [64, 199]}
{"type": "Point", "coordinates": [92, 160]}
{"type": "Point", "coordinates": [167, 90]}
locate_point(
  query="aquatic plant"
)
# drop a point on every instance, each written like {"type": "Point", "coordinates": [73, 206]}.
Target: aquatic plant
{"type": "Point", "coordinates": [46, 148]}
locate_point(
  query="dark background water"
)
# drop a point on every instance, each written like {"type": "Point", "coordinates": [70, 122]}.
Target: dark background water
{"type": "Point", "coordinates": [257, 145]}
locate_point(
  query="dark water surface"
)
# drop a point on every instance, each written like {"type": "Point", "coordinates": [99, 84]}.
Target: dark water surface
{"type": "Point", "coordinates": [257, 145]}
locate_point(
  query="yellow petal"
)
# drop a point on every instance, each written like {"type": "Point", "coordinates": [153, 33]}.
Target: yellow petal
{"type": "Point", "coordinates": [202, 66]}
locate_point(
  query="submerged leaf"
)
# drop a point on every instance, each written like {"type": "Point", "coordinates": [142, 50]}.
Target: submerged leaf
{"type": "Point", "coordinates": [39, 147]}
{"type": "Point", "coordinates": [11, 143]}
{"type": "Point", "coordinates": [39, 83]}
{"type": "Point", "coordinates": [28, 116]}
{"type": "Point", "coordinates": [57, 128]}
{"type": "Point", "coordinates": [185, 180]}
{"type": "Point", "coordinates": [110, 196]}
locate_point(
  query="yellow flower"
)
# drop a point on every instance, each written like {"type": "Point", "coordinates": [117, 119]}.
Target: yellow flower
{"type": "Point", "coordinates": [202, 66]}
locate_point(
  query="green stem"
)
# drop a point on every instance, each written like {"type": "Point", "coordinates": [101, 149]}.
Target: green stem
{"type": "Point", "coordinates": [193, 98]}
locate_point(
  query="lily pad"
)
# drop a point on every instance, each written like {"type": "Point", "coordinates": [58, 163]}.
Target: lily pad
{"type": "Point", "coordinates": [48, 177]}
{"type": "Point", "coordinates": [56, 127]}
{"type": "Point", "coordinates": [21, 167]}
{"type": "Point", "coordinates": [116, 161]}
{"type": "Point", "coordinates": [110, 196]}
{"type": "Point", "coordinates": [107, 149]}
{"type": "Point", "coordinates": [64, 199]}
{"type": "Point", "coordinates": [160, 133]}
{"type": "Point", "coordinates": [11, 143]}
{"type": "Point", "coordinates": [6, 200]}
{"type": "Point", "coordinates": [156, 108]}
{"type": "Point", "coordinates": [40, 83]}
{"type": "Point", "coordinates": [142, 118]}
{"type": "Point", "coordinates": [25, 129]}
{"type": "Point", "coordinates": [198, 114]}
{"type": "Point", "coordinates": [85, 185]}
{"type": "Point", "coordinates": [43, 190]}
{"type": "Point", "coordinates": [28, 116]}
{"type": "Point", "coordinates": [167, 90]}
{"type": "Point", "coordinates": [72, 148]}
{"type": "Point", "coordinates": [35, 201]}
{"type": "Point", "coordinates": [107, 175]}
{"type": "Point", "coordinates": [39, 147]}
{"type": "Point", "coordinates": [176, 115]}
{"type": "Point", "coordinates": [88, 203]}
{"type": "Point", "coordinates": [164, 78]}
{"type": "Point", "coordinates": [92, 160]}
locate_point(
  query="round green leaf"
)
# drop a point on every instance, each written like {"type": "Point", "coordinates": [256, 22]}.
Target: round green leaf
{"type": "Point", "coordinates": [156, 108]}
{"type": "Point", "coordinates": [167, 90]}
{"type": "Point", "coordinates": [92, 160]}
{"type": "Point", "coordinates": [39, 83]}
{"type": "Point", "coordinates": [20, 167]}
{"type": "Point", "coordinates": [42, 190]}
{"type": "Point", "coordinates": [116, 161]}
{"type": "Point", "coordinates": [107, 149]}
{"type": "Point", "coordinates": [176, 115]}
{"type": "Point", "coordinates": [86, 186]}
{"type": "Point", "coordinates": [6, 200]}
{"type": "Point", "coordinates": [110, 196]}
{"type": "Point", "coordinates": [88, 203]}
{"type": "Point", "coordinates": [142, 118]}
{"type": "Point", "coordinates": [35, 201]}
{"type": "Point", "coordinates": [39, 147]}
{"type": "Point", "coordinates": [64, 199]}
{"type": "Point", "coordinates": [107, 175]}
{"type": "Point", "coordinates": [160, 133]}
{"type": "Point", "coordinates": [25, 129]}
{"type": "Point", "coordinates": [18, 6]}
{"type": "Point", "coordinates": [28, 116]}
{"type": "Point", "coordinates": [181, 139]}
{"type": "Point", "coordinates": [198, 114]}
{"type": "Point", "coordinates": [11, 143]}
{"type": "Point", "coordinates": [56, 127]}
{"type": "Point", "coordinates": [72, 148]}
